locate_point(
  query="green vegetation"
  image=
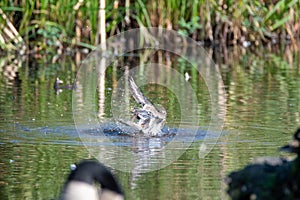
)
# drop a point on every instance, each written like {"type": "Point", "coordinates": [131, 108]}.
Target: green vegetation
{"type": "Point", "coordinates": [37, 25]}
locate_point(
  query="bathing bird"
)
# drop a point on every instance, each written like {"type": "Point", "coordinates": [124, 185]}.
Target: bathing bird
{"type": "Point", "coordinates": [268, 178]}
{"type": "Point", "coordinates": [148, 119]}
{"type": "Point", "coordinates": [91, 180]}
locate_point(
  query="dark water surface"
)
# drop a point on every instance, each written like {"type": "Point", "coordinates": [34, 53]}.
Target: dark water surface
{"type": "Point", "coordinates": [39, 140]}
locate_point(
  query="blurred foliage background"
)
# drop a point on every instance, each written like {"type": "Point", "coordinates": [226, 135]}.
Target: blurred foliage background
{"type": "Point", "coordinates": [61, 25]}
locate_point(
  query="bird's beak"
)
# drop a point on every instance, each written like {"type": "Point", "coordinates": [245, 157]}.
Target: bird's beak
{"type": "Point", "coordinates": [286, 148]}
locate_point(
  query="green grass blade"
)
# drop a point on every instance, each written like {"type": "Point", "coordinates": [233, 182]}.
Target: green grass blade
{"type": "Point", "coordinates": [276, 7]}
{"type": "Point", "coordinates": [280, 22]}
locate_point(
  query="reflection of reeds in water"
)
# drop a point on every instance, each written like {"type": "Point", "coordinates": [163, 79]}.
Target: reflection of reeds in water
{"type": "Point", "coordinates": [254, 83]}
{"type": "Point", "coordinates": [9, 66]}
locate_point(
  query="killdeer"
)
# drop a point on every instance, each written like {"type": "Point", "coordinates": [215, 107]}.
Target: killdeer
{"type": "Point", "coordinates": [268, 178]}
{"type": "Point", "coordinates": [83, 181]}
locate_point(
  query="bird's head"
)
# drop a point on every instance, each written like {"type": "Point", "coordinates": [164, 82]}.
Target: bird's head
{"type": "Point", "coordinates": [294, 145]}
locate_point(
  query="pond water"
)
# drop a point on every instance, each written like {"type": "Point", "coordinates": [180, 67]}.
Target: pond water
{"type": "Point", "coordinates": [39, 140]}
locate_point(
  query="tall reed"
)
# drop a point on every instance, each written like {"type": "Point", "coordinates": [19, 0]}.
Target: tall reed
{"type": "Point", "coordinates": [55, 22]}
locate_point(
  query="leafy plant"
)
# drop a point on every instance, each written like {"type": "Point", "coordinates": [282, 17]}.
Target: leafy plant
{"type": "Point", "coordinates": [188, 28]}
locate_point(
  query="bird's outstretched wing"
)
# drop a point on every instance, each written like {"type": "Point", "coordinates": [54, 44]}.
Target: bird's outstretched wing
{"type": "Point", "coordinates": [150, 121]}
{"type": "Point", "coordinates": [137, 94]}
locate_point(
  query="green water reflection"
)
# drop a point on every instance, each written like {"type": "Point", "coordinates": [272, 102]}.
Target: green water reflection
{"type": "Point", "coordinates": [39, 141]}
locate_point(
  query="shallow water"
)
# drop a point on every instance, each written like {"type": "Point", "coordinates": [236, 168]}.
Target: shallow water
{"type": "Point", "coordinates": [39, 139]}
